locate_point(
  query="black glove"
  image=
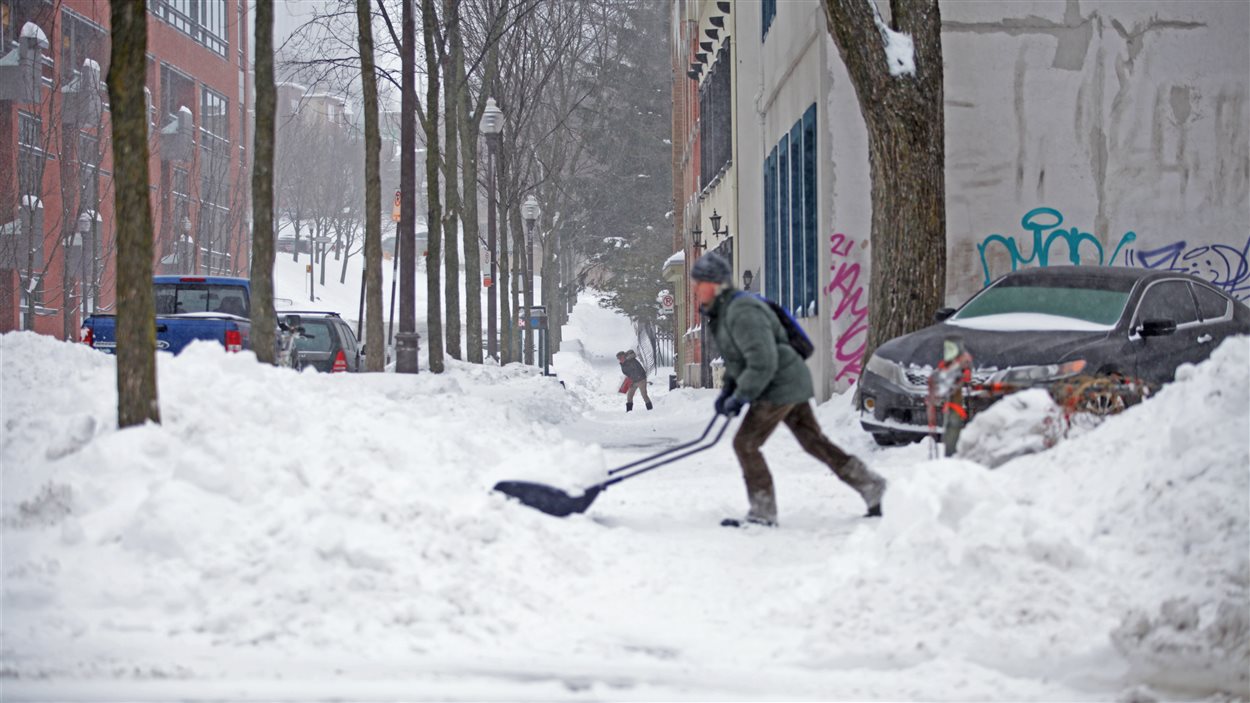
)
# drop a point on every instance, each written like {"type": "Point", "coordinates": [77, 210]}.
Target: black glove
{"type": "Point", "coordinates": [731, 405]}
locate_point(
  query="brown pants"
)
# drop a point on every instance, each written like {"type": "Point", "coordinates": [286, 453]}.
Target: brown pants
{"type": "Point", "coordinates": [761, 419]}
{"type": "Point", "coordinates": [640, 386]}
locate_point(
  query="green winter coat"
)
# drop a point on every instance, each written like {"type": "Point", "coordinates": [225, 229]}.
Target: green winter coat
{"type": "Point", "coordinates": [758, 356]}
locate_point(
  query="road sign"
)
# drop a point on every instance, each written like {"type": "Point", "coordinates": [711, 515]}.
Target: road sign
{"type": "Point", "coordinates": [395, 207]}
{"type": "Point", "coordinates": [667, 302]}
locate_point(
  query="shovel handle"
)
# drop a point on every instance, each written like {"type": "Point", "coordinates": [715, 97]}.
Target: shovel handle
{"type": "Point", "coordinates": [666, 452]}
{"type": "Point", "coordinates": [671, 459]}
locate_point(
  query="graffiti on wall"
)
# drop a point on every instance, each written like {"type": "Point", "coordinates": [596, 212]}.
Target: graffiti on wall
{"type": "Point", "coordinates": [1044, 225]}
{"type": "Point", "coordinates": [849, 302]}
{"type": "Point", "coordinates": [1221, 265]}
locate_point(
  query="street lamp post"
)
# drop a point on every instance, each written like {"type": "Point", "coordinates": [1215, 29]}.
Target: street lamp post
{"type": "Point", "coordinates": [530, 212]}
{"type": "Point", "coordinates": [492, 127]}
{"type": "Point", "coordinates": [187, 255]}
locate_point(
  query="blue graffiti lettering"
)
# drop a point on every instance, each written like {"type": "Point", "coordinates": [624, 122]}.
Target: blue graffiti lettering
{"type": "Point", "coordinates": [1221, 265]}
{"type": "Point", "coordinates": [1038, 221]}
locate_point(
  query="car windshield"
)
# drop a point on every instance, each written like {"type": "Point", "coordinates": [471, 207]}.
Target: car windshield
{"type": "Point", "coordinates": [1100, 304]}
{"type": "Point", "coordinates": [317, 336]}
{"type": "Point", "coordinates": [179, 298]}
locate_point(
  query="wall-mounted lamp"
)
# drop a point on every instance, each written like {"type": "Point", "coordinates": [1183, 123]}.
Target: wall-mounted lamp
{"type": "Point", "coordinates": [747, 277]}
{"type": "Point", "coordinates": [696, 240]}
{"type": "Point", "coordinates": [716, 230]}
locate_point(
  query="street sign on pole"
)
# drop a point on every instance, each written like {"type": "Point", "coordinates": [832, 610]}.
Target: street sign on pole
{"type": "Point", "coordinates": [395, 207]}
{"type": "Point", "coordinates": [667, 302]}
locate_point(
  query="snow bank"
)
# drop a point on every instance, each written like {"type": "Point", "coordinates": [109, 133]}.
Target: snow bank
{"type": "Point", "coordinates": [1022, 423]}
{"type": "Point", "coordinates": [270, 507]}
{"type": "Point", "coordinates": [1031, 568]}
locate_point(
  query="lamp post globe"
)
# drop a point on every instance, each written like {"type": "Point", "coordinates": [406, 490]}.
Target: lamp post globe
{"type": "Point", "coordinates": [492, 127]}
{"type": "Point", "coordinates": [492, 118]}
{"type": "Point", "coordinates": [530, 209]}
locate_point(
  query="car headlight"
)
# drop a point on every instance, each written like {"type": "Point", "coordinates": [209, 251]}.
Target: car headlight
{"type": "Point", "coordinates": [889, 370]}
{"type": "Point", "coordinates": [1042, 373]}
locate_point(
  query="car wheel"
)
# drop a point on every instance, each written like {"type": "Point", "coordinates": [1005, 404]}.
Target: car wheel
{"type": "Point", "coordinates": [890, 439]}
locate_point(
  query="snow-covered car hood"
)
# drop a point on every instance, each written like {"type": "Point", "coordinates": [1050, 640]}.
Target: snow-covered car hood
{"type": "Point", "coordinates": [991, 348]}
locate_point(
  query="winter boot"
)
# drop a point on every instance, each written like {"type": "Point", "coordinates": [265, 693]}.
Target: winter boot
{"type": "Point", "coordinates": [629, 407]}
{"type": "Point", "coordinates": [648, 405]}
{"type": "Point", "coordinates": [747, 521]}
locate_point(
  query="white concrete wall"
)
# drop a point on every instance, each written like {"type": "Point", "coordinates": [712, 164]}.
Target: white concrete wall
{"type": "Point", "coordinates": [778, 79]}
{"type": "Point", "coordinates": [1128, 120]}
{"type": "Point", "coordinates": [1122, 126]}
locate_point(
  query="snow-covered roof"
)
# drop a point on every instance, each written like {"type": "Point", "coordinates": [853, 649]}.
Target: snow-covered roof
{"type": "Point", "coordinates": [677, 258]}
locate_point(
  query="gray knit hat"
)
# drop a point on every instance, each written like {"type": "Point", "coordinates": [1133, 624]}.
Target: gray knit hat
{"type": "Point", "coordinates": [711, 267]}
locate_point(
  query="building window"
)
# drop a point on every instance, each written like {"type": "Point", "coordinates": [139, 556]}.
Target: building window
{"type": "Point", "coordinates": [89, 159]}
{"type": "Point", "coordinates": [31, 154]}
{"type": "Point", "coordinates": [214, 115]}
{"type": "Point", "coordinates": [715, 120]}
{"type": "Point", "coordinates": [81, 40]}
{"type": "Point", "coordinates": [214, 196]}
{"type": "Point", "coordinates": [14, 14]}
{"type": "Point", "coordinates": [790, 212]}
{"type": "Point", "coordinates": [182, 202]}
{"type": "Point", "coordinates": [768, 10]}
{"type": "Point", "coordinates": [177, 91]}
{"type": "Point", "coordinates": [202, 20]}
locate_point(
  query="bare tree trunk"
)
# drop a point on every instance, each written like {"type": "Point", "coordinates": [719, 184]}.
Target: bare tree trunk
{"type": "Point", "coordinates": [506, 321]}
{"type": "Point", "coordinates": [468, 201]}
{"type": "Point", "coordinates": [521, 339]}
{"type": "Point", "coordinates": [551, 283]}
{"type": "Point", "coordinates": [374, 342]}
{"type": "Point", "coordinates": [408, 186]}
{"type": "Point", "coordinates": [906, 158]}
{"type": "Point", "coordinates": [69, 222]}
{"type": "Point", "coordinates": [434, 321]}
{"type": "Point", "coordinates": [136, 302]}
{"type": "Point", "coordinates": [264, 319]}
{"type": "Point", "coordinates": [451, 233]}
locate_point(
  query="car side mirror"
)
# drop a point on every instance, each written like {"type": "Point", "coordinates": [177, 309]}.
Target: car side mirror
{"type": "Point", "coordinates": [362, 350]}
{"type": "Point", "coordinates": [293, 321]}
{"type": "Point", "coordinates": [943, 314]}
{"type": "Point", "coordinates": [1157, 328]}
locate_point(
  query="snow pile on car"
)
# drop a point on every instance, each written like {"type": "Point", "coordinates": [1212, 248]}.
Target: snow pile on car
{"type": "Point", "coordinates": [271, 507]}
{"type": "Point", "coordinates": [1032, 567]}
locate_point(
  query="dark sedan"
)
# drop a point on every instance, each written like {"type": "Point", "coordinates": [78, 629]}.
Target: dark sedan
{"type": "Point", "coordinates": [1036, 326]}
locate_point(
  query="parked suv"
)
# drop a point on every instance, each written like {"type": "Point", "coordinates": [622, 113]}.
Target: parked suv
{"type": "Point", "coordinates": [327, 343]}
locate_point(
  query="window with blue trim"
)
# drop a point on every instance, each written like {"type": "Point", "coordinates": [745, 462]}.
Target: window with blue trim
{"type": "Point", "coordinates": [768, 10]}
{"type": "Point", "coordinates": [790, 237]}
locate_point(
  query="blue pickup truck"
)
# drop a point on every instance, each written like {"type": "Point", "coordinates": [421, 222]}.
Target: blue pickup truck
{"type": "Point", "coordinates": [187, 308]}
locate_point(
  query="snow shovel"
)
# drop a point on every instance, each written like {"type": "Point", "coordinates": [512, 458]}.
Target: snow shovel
{"type": "Point", "coordinates": [554, 501]}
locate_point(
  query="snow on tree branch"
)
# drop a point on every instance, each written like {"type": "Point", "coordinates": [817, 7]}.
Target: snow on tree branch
{"type": "Point", "coordinates": [900, 55]}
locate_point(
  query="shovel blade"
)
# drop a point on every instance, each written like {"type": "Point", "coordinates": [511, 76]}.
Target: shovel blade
{"type": "Point", "coordinates": [548, 499]}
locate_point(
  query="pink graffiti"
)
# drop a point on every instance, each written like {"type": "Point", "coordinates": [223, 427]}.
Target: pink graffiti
{"type": "Point", "coordinates": [849, 348]}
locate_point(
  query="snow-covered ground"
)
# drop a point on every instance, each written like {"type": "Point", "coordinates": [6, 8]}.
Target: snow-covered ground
{"type": "Point", "coordinates": [287, 536]}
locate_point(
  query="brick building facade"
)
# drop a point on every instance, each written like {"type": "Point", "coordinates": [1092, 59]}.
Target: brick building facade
{"type": "Point", "coordinates": [57, 232]}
